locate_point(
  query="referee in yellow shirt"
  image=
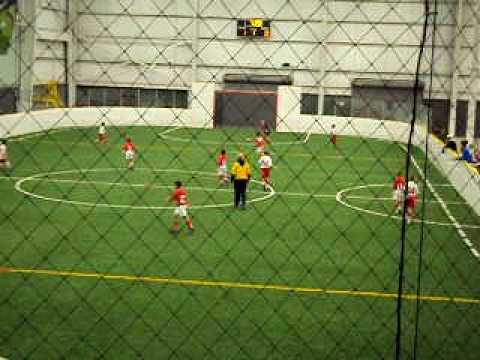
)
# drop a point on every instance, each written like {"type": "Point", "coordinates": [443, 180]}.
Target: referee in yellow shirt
{"type": "Point", "coordinates": [240, 176]}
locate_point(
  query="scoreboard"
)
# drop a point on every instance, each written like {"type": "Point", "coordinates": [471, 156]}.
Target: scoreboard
{"type": "Point", "coordinates": [253, 28]}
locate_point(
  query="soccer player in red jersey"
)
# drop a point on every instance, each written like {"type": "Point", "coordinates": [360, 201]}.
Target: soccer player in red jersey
{"type": "Point", "coordinates": [222, 168]}
{"type": "Point", "coordinates": [412, 196]}
{"type": "Point", "coordinates": [333, 135]}
{"type": "Point", "coordinates": [260, 144]}
{"type": "Point", "coordinates": [265, 130]}
{"type": "Point", "coordinates": [130, 152]}
{"type": "Point", "coordinates": [398, 192]}
{"type": "Point", "coordinates": [179, 198]}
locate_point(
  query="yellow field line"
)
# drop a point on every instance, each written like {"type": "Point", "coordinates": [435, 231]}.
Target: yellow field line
{"type": "Point", "coordinates": [236, 285]}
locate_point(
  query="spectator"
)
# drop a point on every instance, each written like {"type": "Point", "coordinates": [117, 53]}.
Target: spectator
{"type": "Point", "coordinates": [450, 144]}
{"type": "Point", "coordinates": [467, 154]}
{"type": "Point", "coordinates": [476, 154]}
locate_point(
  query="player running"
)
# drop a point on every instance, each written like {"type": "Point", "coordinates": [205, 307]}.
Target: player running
{"type": "Point", "coordinates": [179, 198]}
{"type": "Point", "coordinates": [130, 152]}
{"type": "Point", "coordinates": [102, 135]}
{"type": "Point", "coordinates": [412, 196]}
{"type": "Point", "coordinates": [4, 162]}
{"type": "Point", "coordinates": [260, 143]}
{"type": "Point", "coordinates": [222, 168]}
{"type": "Point", "coordinates": [266, 165]}
{"type": "Point", "coordinates": [398, 192]}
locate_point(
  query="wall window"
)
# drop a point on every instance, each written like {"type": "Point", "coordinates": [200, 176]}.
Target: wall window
{"type": "Point", "coordinates": [112, 97]}
{"type": "Point", "coordinates": [309, 104]}
{"type": "Point", "coordinates": [338, 105]}
{"type": "Point", "coordinates": [131, 97]}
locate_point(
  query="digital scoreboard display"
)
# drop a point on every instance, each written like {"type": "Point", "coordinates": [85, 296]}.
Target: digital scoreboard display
{"type": "Point", "coordinates": [253, 28]}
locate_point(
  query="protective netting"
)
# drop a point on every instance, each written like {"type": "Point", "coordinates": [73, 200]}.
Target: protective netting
{"type": "Point", "coordinates": [106, 105]}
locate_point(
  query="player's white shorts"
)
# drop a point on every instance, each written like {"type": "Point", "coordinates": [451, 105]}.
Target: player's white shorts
{"type": "Point", "coordinates": [222, 170]}
{"type": "Point", "coordinates": [129, 155]}
{"type": "Point", "coordinates": [398, 195]}
{"type": "Point", "coordinates": [181, 211]}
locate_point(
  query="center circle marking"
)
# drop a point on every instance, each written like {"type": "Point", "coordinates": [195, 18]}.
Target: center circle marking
{"type": "Point", "coordinates": [19, 188]}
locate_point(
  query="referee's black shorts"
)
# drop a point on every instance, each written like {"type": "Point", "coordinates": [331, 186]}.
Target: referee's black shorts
{"type": "Point", "coordinates": [240, 192]}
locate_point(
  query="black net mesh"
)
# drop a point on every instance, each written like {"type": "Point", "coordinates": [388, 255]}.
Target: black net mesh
{"type": "Point", "coordinates": [239, 179]}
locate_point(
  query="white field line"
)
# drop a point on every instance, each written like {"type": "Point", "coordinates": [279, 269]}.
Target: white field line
{"type": "Point", "coordinates": [18, 186]}
{"type": "Point", "coordinates": [229, 190]}
{"type": "Point", "coordinates": [169, 130]}
{"type": "Point", "coordinates": [307, 137]}
{"type": "Point", "coordinates": [232, 143]}
{"type": "Point", "coordinates": [45, 132]}
{"type": "Point", "coordinates": [473, 250]}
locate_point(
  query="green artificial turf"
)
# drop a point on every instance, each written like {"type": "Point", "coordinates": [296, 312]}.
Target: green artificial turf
{"type": "Point", "coordinates": [299, 237]}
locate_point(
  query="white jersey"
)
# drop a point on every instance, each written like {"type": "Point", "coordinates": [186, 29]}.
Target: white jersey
{"type": "Point", "coordinates": [265, 162]}
{"type": "Point", "coordinates": [3, 152]}
{"type": "Point", "coordinates": [412, 189]}
{"type": "Point", "coordinates": [102, 130]}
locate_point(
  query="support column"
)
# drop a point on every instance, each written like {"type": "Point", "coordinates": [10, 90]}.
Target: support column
{"type": "Point", "coordinates": [195, 34]}
{"type": "Point", "coordinates": [474, 90]}
{"type": "Point", "coordinates": [71, 51]}
{"type": "Point", "coordinates": [322, 51]}
{"type": "Point", "coordinates": [456, 52]}
{"type": "Point", "coordinates": [26, 52]}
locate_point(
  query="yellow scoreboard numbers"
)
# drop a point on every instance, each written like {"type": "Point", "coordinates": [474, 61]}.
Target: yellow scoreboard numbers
{"type": "Point", "coordinates": [258, 23]}
{"type": "Point", "coordinates": [253, 28]}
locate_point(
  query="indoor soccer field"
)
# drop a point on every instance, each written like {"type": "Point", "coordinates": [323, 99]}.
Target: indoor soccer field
{"type": "Point", "coordinates": [308, 270]}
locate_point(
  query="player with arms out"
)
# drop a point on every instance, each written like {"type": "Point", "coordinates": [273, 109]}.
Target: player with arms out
{"type": "Point", "coordinates": [412, 196]}
{"type": "Point", "coordinates": [266, 165]}
{"type": "Point", "coordinates": [179, 198]}
{"type": "Point", "coordinates": [222, 172]}
{"type": "Point", "coordinates": [102, 135]}
{"type": "Point", "coordinates": [130, 153]}
{"type": "Point", "coordinates": [4, 162]}
{"type": "Point", "coordinates": [259, 143]}
{"type": "Point", "coordinates": [398, 192]}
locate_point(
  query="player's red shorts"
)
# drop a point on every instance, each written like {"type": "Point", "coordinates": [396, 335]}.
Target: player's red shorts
{"type": "Point", "coordinates": [333, 139]}
{"type": "Point", "coordinates": [265, 173]}
{"type": "Point", "coordinates": [411, 202]}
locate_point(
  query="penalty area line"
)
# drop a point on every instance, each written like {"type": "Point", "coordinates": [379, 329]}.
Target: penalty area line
{"type": "Point", "coordinates": [238, 285]}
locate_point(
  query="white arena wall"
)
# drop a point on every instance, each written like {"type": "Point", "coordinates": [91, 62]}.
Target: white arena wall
{"type": "Point", "coordinates": [289, 119]}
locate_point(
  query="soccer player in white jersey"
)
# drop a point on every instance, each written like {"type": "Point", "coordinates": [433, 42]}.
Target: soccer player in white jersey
{"type": "Point", "coordinates": [4, 162]}
{"type": "Point", "coordinates": [412, 197]}
{"type": "Point", "coordinates": [102, 135]}
{"type": "Point", "coordinates": [266, 165]}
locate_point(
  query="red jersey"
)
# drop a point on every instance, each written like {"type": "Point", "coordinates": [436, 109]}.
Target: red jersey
{"type": "Point", "coordinates": [259, 142]}
{"type": "Point", "coordinates": [222, 160]}
{"type": "Point", "coordinates": [129, 146]}
{"type": "Point", "coordinates": [180, 197]}
{"type": "Point", "coordinates": [399, 183]}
